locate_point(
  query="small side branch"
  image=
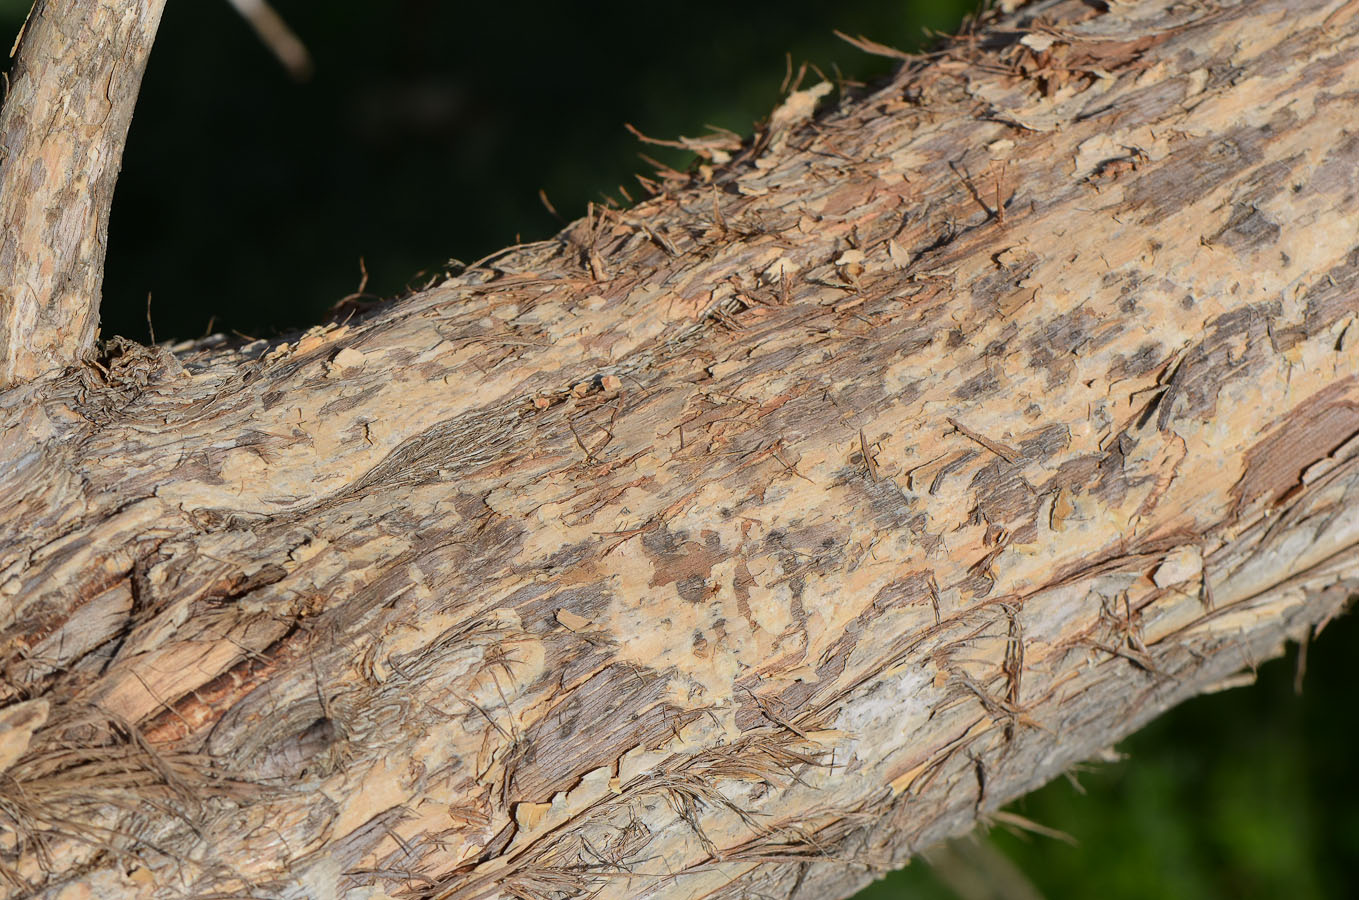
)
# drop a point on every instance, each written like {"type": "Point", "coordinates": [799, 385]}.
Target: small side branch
{"type": "Point", "coordinates": [275, 34]}
{"type": "Point", "coordinates": [62, 131]}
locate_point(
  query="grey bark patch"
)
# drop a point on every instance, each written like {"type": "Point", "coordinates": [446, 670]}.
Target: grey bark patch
{"type": "Point", "coordinates": [687, 564]}
{"type": "Point", "coordinates": [979, 385]}
{"type": "Point", "coordinates": [1050, 441]}
{"type": "Point", "coordinates": [352, 401]}
{"type": "Point", "coordinates": [276, 731]}
{"type": "Point", "coordinates": [455, 447]}
{"type": "Point", "coordinates": [891, 508]}
{"type": "Point", "coordinates": [537, 605]}
{"type": "Point", "coordinates": [1194, 171]}
{"type": "Point", "coordinates": [299, 752]}
{"type": "Point", "coordinates": [1132, 280]}
{"type": "Point", "coordinates": [1059, 339]}
{"type": "Point", "coordinates": [1193, 387]}
{"type": "Point", "coordinates": [991, 287]}
{"type": "Point", "coordinates": [1114, 481]}
{"type": "Point", "coordinates": [949, 468]}
{"type": "Point", "coordinates": [1334, 295]}
{"type": "Point", "coordinates": [1002, 494]}
{"type": "Point", "coordinates": [614, 711]}
{"type": "Point", "coordinates": [1316, 427]}
{"type": "Point", "coordinates": [1337, 178]}
{"type": "Point", "coordinates": [1146, 358]}
{"type": "Point", "coordinates": [901, 592]}
{"type": "Point", "coordinates": [1247, 229]}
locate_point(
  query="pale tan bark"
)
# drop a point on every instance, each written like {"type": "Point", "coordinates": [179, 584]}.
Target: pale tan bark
{"type": "Point", "coordinates": [740, 544]}
{"type": "Point", "coordinates": [65, 119]}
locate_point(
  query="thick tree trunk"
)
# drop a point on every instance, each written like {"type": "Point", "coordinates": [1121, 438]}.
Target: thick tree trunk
{"type": "Point", "coordinates": [741, 543]}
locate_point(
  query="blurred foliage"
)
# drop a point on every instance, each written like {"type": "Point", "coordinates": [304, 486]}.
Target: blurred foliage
{"type": "Point", "coordinates": [426, 134]}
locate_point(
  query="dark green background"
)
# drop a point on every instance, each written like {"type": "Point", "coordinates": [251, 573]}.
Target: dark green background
{"type": "Point", "coordinates": [426, 134]}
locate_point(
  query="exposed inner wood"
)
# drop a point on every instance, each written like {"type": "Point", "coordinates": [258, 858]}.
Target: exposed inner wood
{"type": "Point", "coordinates": [741, 543]}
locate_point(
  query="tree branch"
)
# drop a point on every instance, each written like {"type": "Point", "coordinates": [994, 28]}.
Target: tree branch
{"type": "Point", "coordinates": [743, 543]}
{"type": "Point", "coordinates": [62, 131]}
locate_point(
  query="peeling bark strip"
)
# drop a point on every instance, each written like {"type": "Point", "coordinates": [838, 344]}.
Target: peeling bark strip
{"type": "Point", "coordinates": [65, 119]}
{"type": "Point", "coordinates": [741, 544]}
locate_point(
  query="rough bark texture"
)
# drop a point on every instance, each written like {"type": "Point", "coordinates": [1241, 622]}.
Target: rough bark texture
{"type": "Point", "coordinates": [67, 110]}
{"type": "Point", "coordinates": [738, 544]}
